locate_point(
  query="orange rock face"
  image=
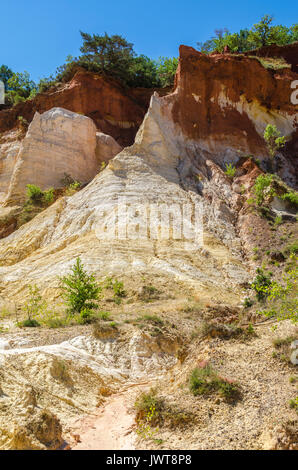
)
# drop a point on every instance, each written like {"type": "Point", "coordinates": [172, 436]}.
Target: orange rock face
{"type": "Point", "coordinates": [116, 111]}
{"type": "Point", "coordinates": [223, 102]}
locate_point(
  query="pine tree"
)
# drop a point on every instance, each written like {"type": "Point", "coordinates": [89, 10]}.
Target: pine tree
{"type": "Point", "coordinates": [79, 288]}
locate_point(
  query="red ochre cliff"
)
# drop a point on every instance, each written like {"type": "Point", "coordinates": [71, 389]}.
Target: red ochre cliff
{"type": "Point", "coordinates": [116, 110]}
{"type": "Point", "coordinates": [224, 102]}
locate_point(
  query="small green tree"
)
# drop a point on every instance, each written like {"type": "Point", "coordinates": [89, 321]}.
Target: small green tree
{"type": "Point", "coordinates": [112, 55]}
{"type": "Point", "coordinates": [230, 170]}
{"type": "Point", "coordinates": [34, 307]}
{"type": "Point", "coordinates": [263, 187]}
{"type": "Point", "coordinates": [20, 87]}
{"type": "Point", "coordinates": [79, 288]}
{"type": "Point", "coordinates": [261, 284]}
{"type": "Point", "coordinates": [48, 196]}
{"type": "Point", "coordinates": [274, 140]}
{"type": "Point", "coordinates": [260, 33]}
{"type": "Point", "coordinates": [282, 298]}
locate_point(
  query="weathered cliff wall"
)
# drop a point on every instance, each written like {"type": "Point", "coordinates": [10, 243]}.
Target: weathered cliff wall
{"type": "Point", "coordinates": [116, 110]}
{"type": "Point", "coordinates": [222, 104]}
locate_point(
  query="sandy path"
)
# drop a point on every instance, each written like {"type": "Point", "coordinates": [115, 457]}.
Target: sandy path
{"type": "Point", "coordinates": [112, 428]}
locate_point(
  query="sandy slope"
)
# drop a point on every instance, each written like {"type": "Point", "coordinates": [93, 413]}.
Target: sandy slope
{"type": "Point", "coordinates": [111, 428]}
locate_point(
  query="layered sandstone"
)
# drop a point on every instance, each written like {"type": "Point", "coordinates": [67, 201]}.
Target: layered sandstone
{"type": "Point", "coordinates": [155, 170]}
{"type": "Point", "coordinates": [220, 106]}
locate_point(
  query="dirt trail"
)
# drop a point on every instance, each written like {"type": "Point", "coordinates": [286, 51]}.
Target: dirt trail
{"type": "Point", "coordinates": [112, 428]}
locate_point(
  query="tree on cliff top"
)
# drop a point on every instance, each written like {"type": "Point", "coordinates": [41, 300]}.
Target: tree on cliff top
{"type": "Point", "coordinates": [112, 55]}
{"type": "Point", "coordinates": [261, 34]}
{"type": "Point", "coordinates": [265, 33]}
{"type": "Point", "coordinates": [18, 86]}
{"type": "Point", "coordinates": [115, 57]}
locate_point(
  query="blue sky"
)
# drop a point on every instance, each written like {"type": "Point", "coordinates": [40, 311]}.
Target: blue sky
{"type": "Point", "coordinates": [37, 36]}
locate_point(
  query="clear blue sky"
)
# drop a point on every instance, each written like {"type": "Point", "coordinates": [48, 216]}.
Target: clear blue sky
{"type": "Point", "coordinates": [37, 36]}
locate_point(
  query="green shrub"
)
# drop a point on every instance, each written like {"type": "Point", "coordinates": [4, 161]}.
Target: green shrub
{"type": "Point", "coordinates": [114, 56]}
{"type": "Point", "coordinates": [45, 84]}
{"type": "Point", "coordinates": [250, 331]}
{"type": "Point", "coordinates": [148, 293]}
{"type": "Point", "coordinates": [278, 220]}
{"type": "Point", "coordinates": [263, 187]}
{"type": "Point", "coordinates": [282, 298]}
{"type": "Point", "coordinates": [291, 249]}
{"type": "Point", "coordinates": [34, 307]}
{"type": "Point", "coordinates": [21, 86]}
{"type": "Point", "coordinates": [291, 197]}
{"type": "Point", "coordinates": [103, 316]}
{"type": "Point", "coordinates": [29, 323]}
{"type": "Point", "coordinates": [148, 400]}
{"type": "Point", "coordinates": [263, 33]}
{"type": "Point", "coordinates": [36, 196]}
{"type": "Point", "coordinates": [279, 342]}
{"type": "Point", "coordinates": [230, 170]}
{"type": "Point", "coordinates": [117, 287]}
{"type": "Point", "coordinates": [85, 316]}
{"type": "Point", "coordinates": [205, 381]}
{"type": "Point", "coordinates": [261, 283]}
{"type": "Point", "coordinates": [294, 404]}
{"type": "Point", "coordinates": [23, 122]}
{"type": "Point", "coordinates": [34, 193]}
{"type": "Point", "coordinates": [48, 196]}
{"type": "Point", "coordinates": [166, 70]}
{"type": "Point", "coordinates": [72, 188]}
{"type": "Point", "coordinates": [79, 289]}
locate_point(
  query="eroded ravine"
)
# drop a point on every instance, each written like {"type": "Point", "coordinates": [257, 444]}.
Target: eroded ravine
{"type": "Point", "coordinates": [113, 427]}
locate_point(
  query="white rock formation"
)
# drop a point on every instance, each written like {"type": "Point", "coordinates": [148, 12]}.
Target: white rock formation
{"type": "Point", "coordinates": [106, 147]}
{"type": "Point", "coordinates": [57, 142]}
{"type": "Point", "coordinates": [9, 149]}
{"type": "Point", "coordinates": [155, 170]}
{"type": "Point", "coordinates": [68, 378]}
